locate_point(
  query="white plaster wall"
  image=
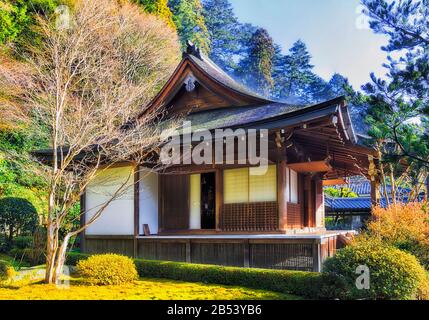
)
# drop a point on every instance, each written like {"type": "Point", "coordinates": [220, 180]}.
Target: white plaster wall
{"type": "Point", "coordinates": [118, 217]}
{"type": "Point", "coordinates": [148, 193]}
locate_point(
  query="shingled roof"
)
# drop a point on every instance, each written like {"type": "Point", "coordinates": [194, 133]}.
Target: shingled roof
{"type": "Point", "coordinates": [215, 72]}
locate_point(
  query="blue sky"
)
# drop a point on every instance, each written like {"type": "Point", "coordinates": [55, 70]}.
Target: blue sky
{"type": "Point", "coordinates": [330, 28]}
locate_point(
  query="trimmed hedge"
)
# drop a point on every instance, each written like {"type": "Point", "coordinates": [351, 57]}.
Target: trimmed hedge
{"type": "Point", "coordinates": [307, 284]}
{"type": "Point", "coordinates": [108, 269]}
{"type": "Point", "coordinates": [394, 274]}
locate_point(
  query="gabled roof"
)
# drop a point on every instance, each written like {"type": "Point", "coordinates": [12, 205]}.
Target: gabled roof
{"type": "Point", "coordinates": [196, 67]}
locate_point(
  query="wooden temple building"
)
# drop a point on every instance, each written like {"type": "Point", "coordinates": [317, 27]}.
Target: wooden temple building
{"type": "Point", "coordinates": [221, 213]}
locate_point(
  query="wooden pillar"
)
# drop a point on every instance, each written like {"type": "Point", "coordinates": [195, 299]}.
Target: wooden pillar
{"type": "Point", "coordinates": [281, 194]}
{"type": "Point", "coordinates": [246, 245]}
{"type": "Point", "coordinates": [309, 207]}
{"type": "Point", "coordinates": [188, 251]}
{"type": "Point", "coordinates": [317, 256]}
{"type": "Point", "coordinates": [219, 198]}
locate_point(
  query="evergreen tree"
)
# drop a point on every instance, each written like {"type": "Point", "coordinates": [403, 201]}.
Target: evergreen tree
{"type": "Point", "coordinates": [338, 85]}
{"type": "Point", "coordinates": [257, 68]}
{"type": "Point", "coordinates": [225, 33]}
{"type": "Point", "coordinates": [190, 23]}
{"type": "Point", "coordinates": [294, 73]}
{"type": "Point", "coordinates": [404, 96]}
{"type": "Point", "coordinates": [399, 105]}
{"type": "Point", "coordinates": [159, 8]}
{"type": "Point", "coordinates": [316, 90]}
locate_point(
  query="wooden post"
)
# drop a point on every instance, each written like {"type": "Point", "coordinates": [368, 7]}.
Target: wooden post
{"type": "Point", "coordinates": [316, 257]}
{"type": "Point", "coordinates": [281, 194]}
{"type": "Point", "coordinates": [219, 198]}
{"type": "Point", "coordinates": [188, 251]}
{"type": "Point", "coordinates": [246, 253]}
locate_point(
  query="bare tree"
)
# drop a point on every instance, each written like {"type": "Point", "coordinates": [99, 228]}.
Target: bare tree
{"type": "Point", "coordinates": [87, 83]}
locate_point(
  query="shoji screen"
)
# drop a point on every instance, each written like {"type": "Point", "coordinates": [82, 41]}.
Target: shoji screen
{"type": "Point", "coordinates": [236, 186]}
{"type": "Point", "coordinates": [241, 187]}
{"type": "Point", "coordinates": [263, 188]}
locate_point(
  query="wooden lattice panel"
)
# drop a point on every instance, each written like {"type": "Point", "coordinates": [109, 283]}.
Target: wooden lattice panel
{"type": "Point", "coordinates": [294, 256]}
{"type": "Point", "coordinates": [295, 217]}
{"type": "Point", "coordinates": [258, 216]}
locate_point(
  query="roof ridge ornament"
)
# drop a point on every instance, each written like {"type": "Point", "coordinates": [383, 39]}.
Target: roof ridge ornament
{"type": "Point", "coordinates": [192, 49]}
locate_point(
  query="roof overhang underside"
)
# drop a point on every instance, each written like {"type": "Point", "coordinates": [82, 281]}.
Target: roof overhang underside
{"type": "Point", "coordinates": [319, 132]}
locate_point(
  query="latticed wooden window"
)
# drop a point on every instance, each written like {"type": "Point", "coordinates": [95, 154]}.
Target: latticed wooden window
{"type": "Point", "coordinates": [236, 186]}
{"type": "Point", "coordinates": [241, 187]}
{"type": "Point", "coordinates": [263, 188]}
{"type": "Point", "coordinates": [250, 201]}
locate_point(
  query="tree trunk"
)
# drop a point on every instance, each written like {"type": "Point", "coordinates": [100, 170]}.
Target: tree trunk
{"type": "Point", "coordinates": [61, 258]}
{"type": "Point", "coordinates": [51, 241]}
{"type": "Point", "coordinates": [51, 255]}
{"type": "Point", "coordinates": [383, 176]}
{"type": "Point", "coordinates": [392, 184]}
{"type": "Point", "coordinates": [10, 239]}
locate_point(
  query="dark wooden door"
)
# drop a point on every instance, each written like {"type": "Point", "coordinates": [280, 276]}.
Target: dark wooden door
{"type": "Point", "coordinates": [174, 202]}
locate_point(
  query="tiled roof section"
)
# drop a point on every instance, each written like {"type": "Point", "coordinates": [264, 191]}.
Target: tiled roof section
{"type": "Point", "coordinates": [350, 204]}
{"type": "Point", "coordinates": [364, 188]}
{"type": "Point", "coordinates": [215, 72]}
{"type": "Point", "coordinates": [362, 204]}
{"type": "Point", "coordinates": [232, 117]}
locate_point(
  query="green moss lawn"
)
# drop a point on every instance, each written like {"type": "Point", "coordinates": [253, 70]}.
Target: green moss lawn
{"type": "Point", "coordinates": [25, 287]}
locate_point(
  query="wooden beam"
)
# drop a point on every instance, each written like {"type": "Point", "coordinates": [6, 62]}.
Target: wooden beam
{"type": "Point", "coordinates": [219, 197]}
{"type": "Point", "coordinates": [311, 166]}
{"type": "Point", "coordinates": [334, 182]}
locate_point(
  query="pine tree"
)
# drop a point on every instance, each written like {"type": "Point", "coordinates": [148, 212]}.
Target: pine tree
{"type": "Point", "coordinates": [225, 33]}
{"type": "Point", "coordinates": [338, 85]}
{"type": "Point", "coordinates": [159, 8]}
{"type": "Point", "coordinates": [190, 23]}
{"type": "Point", "coordinates": [257, 68]}
{"type": "Point", "coordinates": [399, 105]}
{"type": "Point", "coordinates": [294, 73]}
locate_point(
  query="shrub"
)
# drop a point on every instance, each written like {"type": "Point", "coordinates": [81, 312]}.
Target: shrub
{"type": "Point", "coordinates": [23, 242]}
{"type": "Point", "coordinates": [308, 284]}
{"type": "Point", "coordinates": [108, 269]}
{"type": "Point", "coordinates": [6, 270]}
{"type": "Point", "coordinates": [17, 214]}
{"type": "Point", "coordinates": [73, 258]}
{"type": "Point", "coordinates": [29, 256]}
{"type": "Point", "coordinates": [394, 274]}
{"type": "Point", "coordinates": [405, 226]}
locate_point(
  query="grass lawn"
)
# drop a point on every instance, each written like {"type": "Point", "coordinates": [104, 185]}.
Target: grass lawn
{"type": "Point", "coordinates": [144, 289]}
